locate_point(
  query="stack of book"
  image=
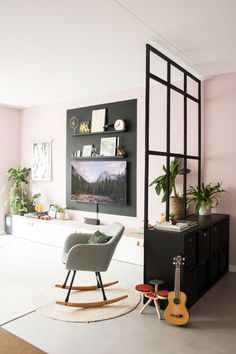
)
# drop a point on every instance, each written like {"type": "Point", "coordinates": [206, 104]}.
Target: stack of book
{"type": "Point", "coordinates": [181, 225]}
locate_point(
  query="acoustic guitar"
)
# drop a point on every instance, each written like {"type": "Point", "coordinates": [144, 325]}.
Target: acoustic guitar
{"type": "Point", "coordinates": [176, 312]}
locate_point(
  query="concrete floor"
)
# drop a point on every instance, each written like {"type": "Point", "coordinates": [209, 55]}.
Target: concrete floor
{"type": "Point", "coordinates": [212, 328]}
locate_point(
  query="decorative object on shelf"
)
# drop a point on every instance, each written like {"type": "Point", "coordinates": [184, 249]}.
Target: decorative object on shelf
{"type": "Point", "coordinates": [176, 201]}
{"type": "Point", "coordinates": [204, 197]}
{"type": "Point", "coordinates": [84, 127]}
{"type": "Point", "coordinates": [108, 125]}
{"type": "Point", "coordinates": [52, 211]}
{"type": "Point", "coordinates": [74, 122]}
{"type": "Point", "coordinates": [108, 146]}
{"type": "Point", "coordinates": [41, 161]}
{"type": "Point", "coordinates": [102, 182]}
{"type": "Point", "coordinates": [60, 212]}
{"type": "Point", "coordinates": [98, 120]}
{"type": "Point", "coordinates": [93, 154]}
{"type": "Point", "coordinates": [119, 149]}
{"type": "Point", "coordinates": [87, 151]}
{"type": "Point", "coordinates": [119, 124]}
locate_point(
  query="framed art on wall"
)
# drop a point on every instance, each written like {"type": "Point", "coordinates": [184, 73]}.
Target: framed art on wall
{"type": "Point", "coordinates": [98, 120]}
{"type": "Point", "coordinates": [41, 161]}
{"type": "Point", "coordinates": [108, 146]}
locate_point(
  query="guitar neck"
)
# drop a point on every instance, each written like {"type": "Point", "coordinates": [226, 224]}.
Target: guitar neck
{"type": "Point", "coordinates": [177, 282]}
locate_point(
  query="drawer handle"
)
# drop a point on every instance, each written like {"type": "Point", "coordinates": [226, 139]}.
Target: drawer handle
{"type": "Point", "coordinates": [204, 234]}
{"type": "Point", "coordinates": [190, 240]}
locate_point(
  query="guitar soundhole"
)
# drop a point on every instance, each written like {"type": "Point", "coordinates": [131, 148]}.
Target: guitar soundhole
{"type": "Point", "coordinates": [177, 315]}
{"type": "Point", "coordinates": [176, 301]}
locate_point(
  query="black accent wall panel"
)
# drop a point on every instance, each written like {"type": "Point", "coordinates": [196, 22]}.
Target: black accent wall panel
{"type": "Point", "coordinates": [126, 110]}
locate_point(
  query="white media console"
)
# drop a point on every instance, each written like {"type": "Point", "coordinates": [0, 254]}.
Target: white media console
{"type": "Point", "coordinates": [54, 232]}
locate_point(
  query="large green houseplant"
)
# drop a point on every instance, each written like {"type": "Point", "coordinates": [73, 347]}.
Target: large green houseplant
{"type": "Point", "coordinates": [20, 198]}
{"type": "Point", "coordinates": [204, 197]}
{"type": "Point", "coordinates": [176, 201]}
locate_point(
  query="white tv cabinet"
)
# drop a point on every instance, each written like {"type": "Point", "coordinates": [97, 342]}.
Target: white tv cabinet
{"type": "Point", "coordinates": [54, 232]}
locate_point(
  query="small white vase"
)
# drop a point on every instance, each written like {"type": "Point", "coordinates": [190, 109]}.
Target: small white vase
{"type": "Point", "coordinates": [61, 216]}
{"type": "Point", "coordinates": [204, 211]}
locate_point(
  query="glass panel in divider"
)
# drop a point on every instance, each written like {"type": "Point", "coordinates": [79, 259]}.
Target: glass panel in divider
{"type": "Point", "coordinates": [192, 127]}
{"type": "Point", "coordinates": [177, 77]}
{"type": "Point", "coordinates": [157, 122]}
{"type": "Point", "coordinates": [155, 205]}
{"type": "Point", "coordinates": [158, 66]}
{"type": "Point", "coordinates": [176, 122]}
{"type": "Point", "coordinates": [192, 87]}
{"type": "Point", "coordinates": [192, 180]}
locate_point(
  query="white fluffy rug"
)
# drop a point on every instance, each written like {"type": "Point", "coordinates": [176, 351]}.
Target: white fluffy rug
{"type": "Point", "coordinates": [44, 302]}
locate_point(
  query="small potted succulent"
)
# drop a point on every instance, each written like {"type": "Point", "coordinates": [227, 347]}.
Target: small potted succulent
{"type": "Point", "coordinates": [204, 197]}
{"type": "Point", "coordinates": [60, 212]}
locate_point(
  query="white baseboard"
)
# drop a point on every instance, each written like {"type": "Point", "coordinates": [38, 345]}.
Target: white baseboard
{"type": "Point", "coordinates": [232, 268]}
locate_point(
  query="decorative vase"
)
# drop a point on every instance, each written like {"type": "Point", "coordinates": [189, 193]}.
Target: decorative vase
{"type": "Point", "coordinates": [61, 216]}
{"type": "Point", "coordinates": [177, 207]}
{"type": "Point", "coordinates": [204, 211]}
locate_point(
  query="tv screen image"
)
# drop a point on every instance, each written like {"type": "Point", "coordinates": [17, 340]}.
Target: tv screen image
{"type": "Point", "coordinates": [102, 182]}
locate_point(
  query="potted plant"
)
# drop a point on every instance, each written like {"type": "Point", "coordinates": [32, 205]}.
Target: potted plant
{"type": "Point", "coordinates": [176, 201]}
{"type": "Point", "coordinates": [60, 212]}
{"type": "Point", "coordinates": [17, 177]}
{"type": "Point", "coordinates": [204, 197]}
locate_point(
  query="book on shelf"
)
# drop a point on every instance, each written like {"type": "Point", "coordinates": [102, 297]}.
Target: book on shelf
{"type": "Point", "coordinates": [181, 225]}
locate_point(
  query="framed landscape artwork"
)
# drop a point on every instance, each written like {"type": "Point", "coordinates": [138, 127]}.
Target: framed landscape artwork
{"type": "Point", "coordinates": [41, 161]}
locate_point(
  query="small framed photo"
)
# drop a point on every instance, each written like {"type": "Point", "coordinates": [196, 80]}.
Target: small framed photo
{"type": "Point", "coordinates": [108, 146]}
{"type": "Point", "coordinates": [84, 127]}
{"type": "Point", "coordinates": [98, 120]}
{"type": "Point", "coordinates": [52, 211]}
{"type": "Point", "coordinates": [87, 151]}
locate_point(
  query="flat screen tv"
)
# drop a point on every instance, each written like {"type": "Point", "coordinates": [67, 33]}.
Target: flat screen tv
{"type": "Point", "coordinates": [102, 182]}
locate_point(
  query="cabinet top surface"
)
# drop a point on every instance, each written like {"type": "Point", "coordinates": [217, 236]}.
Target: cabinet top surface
{"type": "Point", "coordinates": [203, 223]}
{"type": "Point", "coordinates": [79, 226]}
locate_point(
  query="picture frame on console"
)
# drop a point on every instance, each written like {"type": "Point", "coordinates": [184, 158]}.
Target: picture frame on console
{"type": "Point", "coordinates": [87, 150]}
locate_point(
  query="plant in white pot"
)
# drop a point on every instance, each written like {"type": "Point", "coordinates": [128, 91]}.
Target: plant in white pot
{"type": "Point", "coordinates": [176, 201]}
{"type": "Point", "coordinates": [204, 197]}
{"type": "Point", "coordinates": [60, 212]}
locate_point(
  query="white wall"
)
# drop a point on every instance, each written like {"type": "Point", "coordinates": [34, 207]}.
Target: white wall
{"type": "Point", "coordinates": [9, 153]}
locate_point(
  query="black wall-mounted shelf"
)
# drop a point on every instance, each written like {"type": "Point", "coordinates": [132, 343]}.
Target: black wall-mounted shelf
{"type": "Point", "coordinates": [100, 133]}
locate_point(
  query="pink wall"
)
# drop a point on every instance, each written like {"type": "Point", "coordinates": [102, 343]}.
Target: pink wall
{"type": "Point", "coordinates": [9, 152]}
{"type": "Point", "coordinates": [219, 148]}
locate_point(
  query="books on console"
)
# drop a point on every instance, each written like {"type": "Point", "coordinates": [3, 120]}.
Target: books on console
{"type": "Point", "coordinates": [181, 225]}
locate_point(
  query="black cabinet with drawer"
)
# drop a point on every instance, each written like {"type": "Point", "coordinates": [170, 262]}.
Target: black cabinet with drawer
{"type": "Point", "coordinates": [205, 248]}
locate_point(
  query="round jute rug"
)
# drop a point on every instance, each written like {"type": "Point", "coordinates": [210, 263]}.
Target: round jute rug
{"type": "Point", "coordinates": [44, 302]}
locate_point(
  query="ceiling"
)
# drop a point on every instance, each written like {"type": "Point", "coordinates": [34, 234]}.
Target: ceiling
{"type": "Point", "coordinates": [54, 51]}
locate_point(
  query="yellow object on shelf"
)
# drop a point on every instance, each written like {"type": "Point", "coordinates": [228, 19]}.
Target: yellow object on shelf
{"type": "Point", "coordinates": [39, 208]}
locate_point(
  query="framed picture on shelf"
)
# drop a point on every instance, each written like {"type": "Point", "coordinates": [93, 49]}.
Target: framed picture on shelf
{"type": "Point", "coordinates": [84, 127]}
{"type": "Point", "coordinates": [87, 150]}
{"type": "Point", "coordinates": [41, 161]}
{"type": "Point", "coordinates": [98, 120]}
{"type": "Point", "coordinates": [108, 146]}
{"type": "Point", "coordinates": [52, 211]}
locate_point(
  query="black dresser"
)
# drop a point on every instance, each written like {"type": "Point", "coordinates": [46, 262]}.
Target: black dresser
{"type": "Point", "coordinates": [205, 248]}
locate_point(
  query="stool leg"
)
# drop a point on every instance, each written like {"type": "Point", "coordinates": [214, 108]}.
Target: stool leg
{"type": "Point", "coordinates": [157, 308]}
{"type": "Point", "coordinates": [143, 308]}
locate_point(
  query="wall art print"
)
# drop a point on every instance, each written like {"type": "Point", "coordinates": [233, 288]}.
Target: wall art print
{"type": "Point", "coordinates": [41, 161]}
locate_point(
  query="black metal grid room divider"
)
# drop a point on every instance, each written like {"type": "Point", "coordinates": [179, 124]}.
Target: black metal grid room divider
{"type": "Point", "coordinates": [167, 153]}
